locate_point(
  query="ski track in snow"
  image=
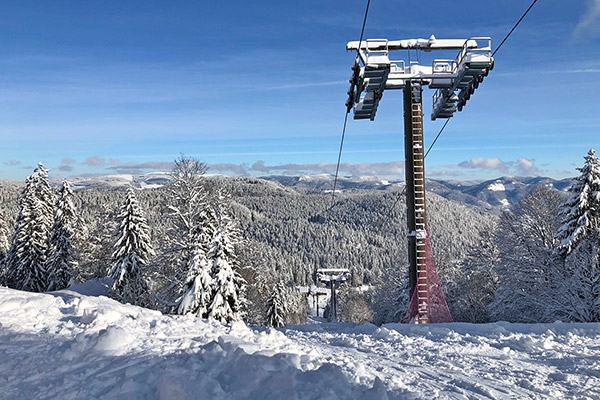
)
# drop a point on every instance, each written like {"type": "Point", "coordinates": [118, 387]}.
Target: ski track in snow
{"type": "Point", "coordinates": [71, 346]}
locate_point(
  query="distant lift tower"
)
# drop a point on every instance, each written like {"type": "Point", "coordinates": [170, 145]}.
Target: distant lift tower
{"type": "Point", "coordinates": [331, 277]}
{"type": "Point", "coordinates": [455, 80]}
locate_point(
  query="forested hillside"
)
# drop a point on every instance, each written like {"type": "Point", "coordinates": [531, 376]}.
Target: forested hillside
{"type": "Point", "coordinates": [288, 234]}
{"type": "Point", "coordinates": [492, 265]}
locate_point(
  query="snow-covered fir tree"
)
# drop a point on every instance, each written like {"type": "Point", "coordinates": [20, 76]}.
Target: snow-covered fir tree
{"type": "Point", "coordinates": [352, 306]}
{"type": "Point", "coordinates": [132, 253]}
{"type": "Point", "coordinates": [578, 280]}
{"type": "Point", "coordinates": [4, 243]}
{"type": "Point", "coordinates": [199, 285]}
{"type": "Point", "coordinates": [581, 212]}
{"type": "Point", "coordinates": [528, 273]}
{"type": "Point", "coordinates": [25, 266]}
{"type": "Point", "coordinates": [580, 301]}
{"type": "Point", "coordinates": [297, 306]}
{"type": "Point", "coordinates": [470, 292]}
{"type": "Point", "coordinates": [193, 229]}
{"type": "Point", "coordinates": [227, 302]}
{"type": "Point", "coordinates": [277, 306]}
{"type": "Point", "coordinates": [62, 258]}
{"type": "Point", "coordinates": [101, 223]}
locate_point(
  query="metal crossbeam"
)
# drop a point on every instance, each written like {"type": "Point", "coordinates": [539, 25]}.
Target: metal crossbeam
{"type": "Point", "coordinates": [455, 79]}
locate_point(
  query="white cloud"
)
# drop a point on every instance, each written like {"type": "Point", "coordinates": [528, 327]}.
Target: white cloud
{"type": "Point", "coordinates": [590, 20]}
{"type": "Point", "coordinates": [526, 167]}
{"type": "Point", "coordinates": [485, 163]}
{"type": "Point", "coordinates": [520, 167]}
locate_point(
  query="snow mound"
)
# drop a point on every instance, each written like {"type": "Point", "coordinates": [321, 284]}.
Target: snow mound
{"type": "Point", "coordinates": [70, 346]}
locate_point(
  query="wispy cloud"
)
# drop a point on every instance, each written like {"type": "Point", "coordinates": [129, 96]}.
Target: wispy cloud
{"type": "Point", "coordinates": [384, 169]}
{"type": "Point", "coordinates": [12, 163]}
{"type": "Point", "coordinates": [94, 161]}
{"type": "Point", "coordinates": [68, 161]}
{"type": "Point", "coordinates": [137, 168]}
{"type": "Point", "coordinates": [236, 169]}
{"type": "Point", "coordinates": [589, 24]}
{"type": "Point", "coordinates": [445, 173]}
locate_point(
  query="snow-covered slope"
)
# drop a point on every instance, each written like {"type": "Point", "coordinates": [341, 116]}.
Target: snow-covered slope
{"type": "Point", "coordinates": [494, 194]}
{"type": "Point", "coordinates": [71, 346]}
{"type": "Point", "coordinates": [149, 180]}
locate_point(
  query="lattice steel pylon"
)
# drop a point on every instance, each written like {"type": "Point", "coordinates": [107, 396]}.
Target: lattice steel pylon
{"type": "Point", "coordinates": [455, 80]}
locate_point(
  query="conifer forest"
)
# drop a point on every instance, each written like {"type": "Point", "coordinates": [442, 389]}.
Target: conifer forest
{"type": "Point", "coordinates": [241, 248]}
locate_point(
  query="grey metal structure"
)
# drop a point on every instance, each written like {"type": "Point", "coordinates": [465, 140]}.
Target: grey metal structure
{"type": "Point", "coordinates": [331, 276]}
{"type": "Point", "coordinates": [455, 80]}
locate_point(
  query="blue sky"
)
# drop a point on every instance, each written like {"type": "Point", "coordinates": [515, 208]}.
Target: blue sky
{"type": "Point", "coordinates": [259, 87]}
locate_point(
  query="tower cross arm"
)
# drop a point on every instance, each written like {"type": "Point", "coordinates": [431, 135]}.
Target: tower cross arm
{"type": "Point", "coordinates": [422, 44]}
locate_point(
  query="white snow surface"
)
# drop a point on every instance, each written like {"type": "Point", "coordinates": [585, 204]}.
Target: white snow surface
{"type": "Point", "coordinates": [72, 346]}
{"type": "Point", "coordinates": [498, 186]}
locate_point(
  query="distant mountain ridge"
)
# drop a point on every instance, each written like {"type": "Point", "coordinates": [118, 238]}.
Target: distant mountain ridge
{"type": "Point", "coordinates": [493, 195]}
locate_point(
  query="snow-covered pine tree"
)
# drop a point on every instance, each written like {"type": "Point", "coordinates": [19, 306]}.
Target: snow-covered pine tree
{"type": "Point", "coordinates": [226, 305]}
{"type": "Point", "coordinates": [353, 306]}
{"type": "Point", "coordinates": [25, 269]}
{"type": "Point", "coordinates": [133, 250]}
{"type": "Point", "coordinates": [297, 308]}
{"type": "Point", "coordinates": [470, 293]}
{"type": "Point", "coordinates": [198, 287]}
{"type": "Point", "coordinates": [580, 301]}
{"type": "Point", "coordinates": [189, 205]}
{"type": "Point", "coordinates": [99, 234]}
{"type": "Point", "coordinates": [4, 243]}
{"type": "Point", "coordinates": [193, 229]}
{"type": "Point", "coordinates": [4, 247]}
{"type": "Point", "coordinates": [527, 271]}
{"type": "Point", "coordinates": [61, 263]}
{"type": "Point", "coordinates": [277, 306]}
{"type": "Point", "coordinates": [581, 212]}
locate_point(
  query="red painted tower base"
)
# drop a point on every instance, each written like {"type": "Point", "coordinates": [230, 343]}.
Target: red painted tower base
{"type": "Point", "coordinates": [428, 305]}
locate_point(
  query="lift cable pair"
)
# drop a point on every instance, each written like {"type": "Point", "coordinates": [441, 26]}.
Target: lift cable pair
{"type": "Point", "coordinates": [337, 168]}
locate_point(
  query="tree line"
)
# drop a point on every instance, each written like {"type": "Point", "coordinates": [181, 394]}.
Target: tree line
{"type": "Point", "coordinates": [536, 262]}
{"type": "Point", "coordinates": [48, 244]}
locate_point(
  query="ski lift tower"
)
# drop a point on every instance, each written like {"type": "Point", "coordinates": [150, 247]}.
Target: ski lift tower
{"type": "Point", "coordinates": [454, 80]}
{"type": "Point", "coordinates": [331, 276]}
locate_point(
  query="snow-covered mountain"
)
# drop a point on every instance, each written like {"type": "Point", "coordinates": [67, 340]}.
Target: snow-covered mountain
{"type": "Point", "coordinates": [72, 346]}
{"type": "Point", "coordinates": [146, 181]}
{"type": "Point", "coordinates": [498, 193]}
{"type": "Point", "coordinates": [495, 194]}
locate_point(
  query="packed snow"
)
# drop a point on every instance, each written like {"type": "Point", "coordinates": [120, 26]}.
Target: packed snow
{"type": "Point", "coordinates": [71, 346]}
